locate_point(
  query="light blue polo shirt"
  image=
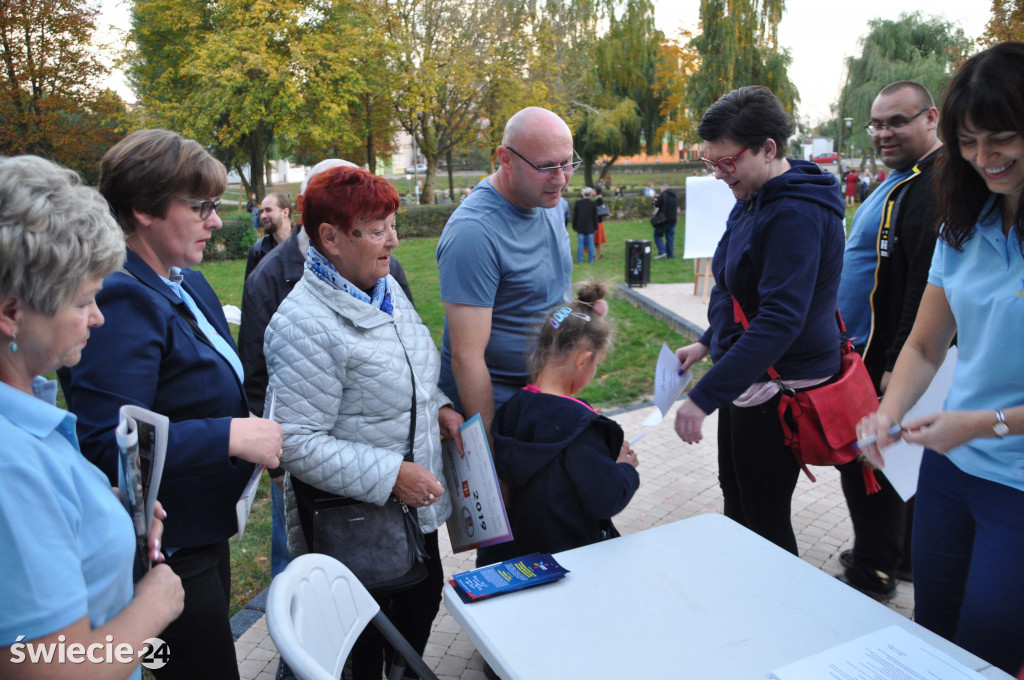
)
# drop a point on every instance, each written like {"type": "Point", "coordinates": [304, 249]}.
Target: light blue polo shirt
{"type": "Point", "coordinates": [66, 542]}
{"type": "Point", "coordinates": [984, 285]}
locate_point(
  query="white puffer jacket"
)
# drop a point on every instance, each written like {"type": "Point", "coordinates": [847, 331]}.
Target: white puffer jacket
{"type": "Point", "coordinates": [344, 395]}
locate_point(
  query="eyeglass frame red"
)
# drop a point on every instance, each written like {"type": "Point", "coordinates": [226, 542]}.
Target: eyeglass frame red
{"type": "Point", "coordinates": [715, 165]}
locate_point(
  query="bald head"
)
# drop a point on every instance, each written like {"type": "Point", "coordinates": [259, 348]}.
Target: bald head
{"type": "Point", "coordinates": [531, 121]}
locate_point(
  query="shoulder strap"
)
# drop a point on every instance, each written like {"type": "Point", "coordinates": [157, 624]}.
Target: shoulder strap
{"type": "Point", "coordinates": [739, 317]}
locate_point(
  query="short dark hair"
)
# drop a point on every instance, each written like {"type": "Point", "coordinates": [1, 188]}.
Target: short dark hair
{"type": "Point", "coordinates": [987, 90]}
{"type": "Point", "coordinates": [282, 200]}
{"type": "Point", "coordinates": [341, 195]}
{"type": "Point", "coordinates": [148, 168]}
{"type": "Point", "coordinates": [750, 115]}
{"type": "Point", "coordinates": [924, 97]}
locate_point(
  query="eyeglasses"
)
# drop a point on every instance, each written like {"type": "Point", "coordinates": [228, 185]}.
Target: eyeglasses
{"type": "Point", "coordinates": [566, 168]}
{"type": "Point", "coordinates": [206, 208]}
{"type": "Point", "coordinates": [873, 128]}
{"type": "Point", "coordinates": [726, 165]}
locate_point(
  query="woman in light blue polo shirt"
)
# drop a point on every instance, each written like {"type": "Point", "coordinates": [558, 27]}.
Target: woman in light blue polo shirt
{"type": "Point", "coordinates": [968, 541]}
{"type": "Point", "coordinates": [66, 543]}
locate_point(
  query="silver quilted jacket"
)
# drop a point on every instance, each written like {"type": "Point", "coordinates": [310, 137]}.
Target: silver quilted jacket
{"type": "Point", "coordinates": [344, 395]}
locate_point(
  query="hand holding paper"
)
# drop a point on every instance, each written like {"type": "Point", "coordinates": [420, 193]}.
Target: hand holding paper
{"type": "Point", "coordinates": [668, 384]}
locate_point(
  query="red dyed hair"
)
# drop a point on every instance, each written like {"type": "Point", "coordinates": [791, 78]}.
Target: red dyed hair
{"type": "Point", "coordinates": [340, 196]}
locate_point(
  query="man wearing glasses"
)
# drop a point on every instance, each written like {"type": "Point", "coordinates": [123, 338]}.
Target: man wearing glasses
{"type": "Point", "coordinates": [504, 261]}
{"type": "Point", "coordinates": [885, 269]}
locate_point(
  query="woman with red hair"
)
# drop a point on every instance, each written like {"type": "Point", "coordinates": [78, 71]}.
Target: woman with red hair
{"type": "Point", "coordinates": [355, 373]}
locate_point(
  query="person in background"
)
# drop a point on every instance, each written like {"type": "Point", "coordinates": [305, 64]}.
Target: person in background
{"type": "Point", "coordinates": [584, 223]}
{"type": "Point", "coordinates": [668, 204]}
{"type": "Point", "coordinates": [167, 348]}
{"type": "Point", "coordinates": [968, 540]}
{"type": "Point", "coordinates": [780, 258]}
{"type": "Point", "coordinates": [67, 546]}
{"type": "Point", "coordinates": [350, 359]}
{"type": "Point", "coordinates": [850, 192]}
{"type": "Point", "coordinates": [602, 212]}
{"type": "Point", "coordinates": [276, 215]}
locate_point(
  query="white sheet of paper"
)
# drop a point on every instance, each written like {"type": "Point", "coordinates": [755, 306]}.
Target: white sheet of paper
{"type": "Point", "coordinates": [891, 653]}
{"type": "Point", "coordinates": [708, 204]}
{"type": "Point", "coordinates": [478, 511]}
{"type": "Point", "coordinates": [668, 385]}
{"type": "Point", "coordinates": [903, 460]}
{"type": "Point", "coordinates": [233, 314]}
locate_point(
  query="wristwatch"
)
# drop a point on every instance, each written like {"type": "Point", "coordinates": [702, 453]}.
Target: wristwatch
{"type": "Point", "coordinates": [1000, 427]}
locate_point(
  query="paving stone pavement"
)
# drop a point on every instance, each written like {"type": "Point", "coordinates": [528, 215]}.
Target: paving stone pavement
{"type": "Point", "coordinates": [677, 481]}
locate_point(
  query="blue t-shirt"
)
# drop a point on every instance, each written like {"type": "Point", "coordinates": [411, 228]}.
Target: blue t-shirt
{"type": "Point", "coordinates": [984, 285]}
{"type": "Point", "coordinates": [66, 542]}
{"type": "Point", "coordinates": [515, 261]}
{"type": "Point", "coordinates": [861, 259]}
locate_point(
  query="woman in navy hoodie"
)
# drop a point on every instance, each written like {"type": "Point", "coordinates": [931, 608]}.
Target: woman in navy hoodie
{"type": "Point", "coordinates": [780, 257]}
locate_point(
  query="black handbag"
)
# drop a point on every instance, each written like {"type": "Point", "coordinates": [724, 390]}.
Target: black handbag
{"type": "Point", "coordinates": [659, 219]}
{"type": "Point", "coordinates": [382, 545]}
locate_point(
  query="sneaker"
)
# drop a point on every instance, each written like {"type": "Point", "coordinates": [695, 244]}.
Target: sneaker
{"type": "Point", "coordinates": [660, 256]}
{"type": "Point", "coordinates": [902, 572]}
{"type": "Point", "coordinates": [876, 585]}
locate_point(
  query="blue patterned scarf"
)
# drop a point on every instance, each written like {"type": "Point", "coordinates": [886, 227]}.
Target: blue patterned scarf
{"type": "Point", "coordinates": [327, 272]}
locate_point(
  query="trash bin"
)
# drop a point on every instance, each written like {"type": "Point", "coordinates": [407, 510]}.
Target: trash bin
{"type": "Point", "coordinates": [638, 262]}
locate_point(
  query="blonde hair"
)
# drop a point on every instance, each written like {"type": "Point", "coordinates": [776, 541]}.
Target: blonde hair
{"type": "Point", "coordinates": [570, 327]}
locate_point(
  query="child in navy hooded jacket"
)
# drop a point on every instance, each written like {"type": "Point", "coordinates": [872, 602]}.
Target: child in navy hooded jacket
{"type": "Point", "coordinates": [565, 466]}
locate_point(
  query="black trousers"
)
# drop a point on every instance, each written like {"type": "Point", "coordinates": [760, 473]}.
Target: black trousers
{"type": "Point", "coordinates": [881, 522]}
{"type": "Point", "coordinates": [757, 471]}
{"type": "Point", "coordinates": [200, 641]}
{"type": "Point", "coordinates": [411, 610]}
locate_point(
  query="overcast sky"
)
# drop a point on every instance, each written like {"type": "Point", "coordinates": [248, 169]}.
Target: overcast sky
{"type": "Point", "coordinates": [819, 35]}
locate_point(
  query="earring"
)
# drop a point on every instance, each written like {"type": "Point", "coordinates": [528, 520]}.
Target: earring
{"type": "Point", "coordinates": [13, 344]}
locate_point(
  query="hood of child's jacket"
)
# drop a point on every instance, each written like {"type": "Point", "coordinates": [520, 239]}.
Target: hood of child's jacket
{"type": "Point", "coordinates": [531, 431]}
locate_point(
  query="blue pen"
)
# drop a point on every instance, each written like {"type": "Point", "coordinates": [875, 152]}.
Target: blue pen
{"type": "Point", "coordinates": [868, 441]}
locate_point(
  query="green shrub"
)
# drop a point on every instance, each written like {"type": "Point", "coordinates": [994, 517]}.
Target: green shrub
{"type": "Point", "coordinates": [423, 220]}
{"type": "Point", "coordinates": [635, 207]}
{"type": "Point", "coordinates": [232, 241]}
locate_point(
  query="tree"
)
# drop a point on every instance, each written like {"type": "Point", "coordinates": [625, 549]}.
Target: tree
{"type": "Point", "coordinates": [50, 104]}
{"type": "Point", "coordinates": [911, 48]}
{"type": "Point", "coordinates": [449, 56]}
{"type": "Point", "coordinates": [1006, 24]}
{"type": "Point", "coordinates": [738, 45]}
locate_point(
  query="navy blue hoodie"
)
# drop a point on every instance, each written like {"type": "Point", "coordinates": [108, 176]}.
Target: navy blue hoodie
{"type": "Point", "coordinates": [781, 256]}
{"type": "Point", "coordinates": [557, 458]}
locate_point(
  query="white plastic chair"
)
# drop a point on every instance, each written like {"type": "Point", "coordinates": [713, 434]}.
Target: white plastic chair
{"type": "Point", "coordinates": [316, 608]}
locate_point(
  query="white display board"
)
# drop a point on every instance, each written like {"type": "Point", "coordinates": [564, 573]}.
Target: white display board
{"type": "Point", "coordinates": [708, 204]}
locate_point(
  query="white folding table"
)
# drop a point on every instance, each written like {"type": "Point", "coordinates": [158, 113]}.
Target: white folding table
{"type": "Point", "coordinates": [699, 598]}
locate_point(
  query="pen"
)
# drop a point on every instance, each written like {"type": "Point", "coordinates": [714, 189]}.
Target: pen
{"type": "Point", "coordinates": [637, 438]}
{"type": "Point", "coordinates": [868, 441]}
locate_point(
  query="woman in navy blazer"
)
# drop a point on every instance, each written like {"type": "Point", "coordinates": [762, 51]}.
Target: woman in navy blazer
{"type": "Point", "coordinates": [166, 347]}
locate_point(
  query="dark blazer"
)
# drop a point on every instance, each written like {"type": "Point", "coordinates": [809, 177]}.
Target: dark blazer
{"type": "Point", "coordinates": [584, 216]}
{"type": "Point", "coordinates": [147, 353]}
{"type": "Point", "coordinates": [668, 204]}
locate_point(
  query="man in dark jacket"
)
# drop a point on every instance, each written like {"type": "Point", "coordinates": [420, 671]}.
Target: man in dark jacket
{"type": "Point", "coordinates": [885, 269]}
{"type": "Point", "coordinates": [584, 223]}
{"type": "Point", "coordinates": [668, 205]}
{"type": "Point", "coordinates": [276, 215]}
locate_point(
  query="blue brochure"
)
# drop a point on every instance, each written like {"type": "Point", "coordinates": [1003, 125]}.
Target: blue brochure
{"type": "Point", "coordinates": [505, 577]}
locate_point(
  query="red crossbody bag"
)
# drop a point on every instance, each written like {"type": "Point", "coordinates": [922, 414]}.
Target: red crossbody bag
{"type": "Point", "coordinates": [820, 424]}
